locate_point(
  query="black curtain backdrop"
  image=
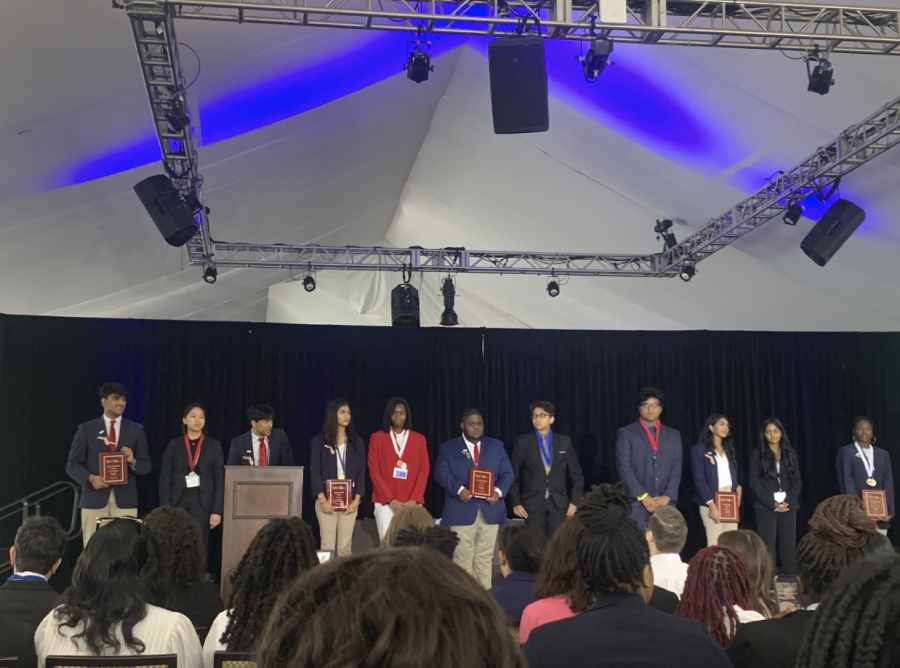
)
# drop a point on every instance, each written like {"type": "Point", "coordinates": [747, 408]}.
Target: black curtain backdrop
{"type": "Point", "coordinates": [50, 369]}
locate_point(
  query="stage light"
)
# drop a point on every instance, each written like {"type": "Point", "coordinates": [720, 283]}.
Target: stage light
{"type": "Point", "coordinates": [405, 306]}
{"type": "Point", "coordinates": [596, 59]}
{"type": "Point", "coordinates": [687, 272]}
{"type": "Point", "coordinates": [449, 317]}
{"type": "Point", "coordinates": [663, 229]}
{"type": "Point", "coordinates": [309, 283]}
{"type": "Point", "coordinates": [418, 63]}
{"type": "Point", "coordinates": [792, 215]}
{"type": "Point", "coordinates": [553, 288]}
{"type": "Point", "coordinates": [176, 114]}
{"type": "Point", "coordinates": [821, 78]}
{"type": "Point", "coordinates": [210, 273]}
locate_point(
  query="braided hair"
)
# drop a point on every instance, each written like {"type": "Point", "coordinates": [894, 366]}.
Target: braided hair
{"type": "Point", "coordinates": [858, 623]}
{"type": "Point", "coordinates": [839, 533]}
{"type": "Point", "coordinates": [718, 579]}
{"type": "Point", "coordinates": [282, 550]}
{"type": "Point", "coordinates": [612, 552]}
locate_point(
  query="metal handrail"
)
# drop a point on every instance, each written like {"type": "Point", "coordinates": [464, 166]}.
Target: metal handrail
{"type": "Point", "coordinates": [30, 505]}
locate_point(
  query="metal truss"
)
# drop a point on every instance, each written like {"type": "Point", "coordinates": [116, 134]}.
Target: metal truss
{"type": "Point", "coordinates": [153, 28]}
{"type": "Point", "coordinates": [441, 260]}
{"type": "Point", "coordinates": [854, 147]}
{"type": "Point", "coordinates": [717, 23]}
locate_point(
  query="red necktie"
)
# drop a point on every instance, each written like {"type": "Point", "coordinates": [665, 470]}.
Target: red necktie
{"type": "Point", "coordinates": [112, 435]}
{"type": "Point", "coordinates": [263, 455]}
{"type": "Point", "coordinates": [477, 454]}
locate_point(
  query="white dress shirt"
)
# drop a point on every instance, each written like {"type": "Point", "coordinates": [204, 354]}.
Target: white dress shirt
{"type": "Point", "coordinates": [669, 572]}
{"type": "Point", "coordinates": [161, 631]}
{"type": "Point", "coordinates": [471, 447]}
{"type": "Point", "coordinates": [213, 642]}
{"type": "Point", "coordinates": [255, 440]}
{"type": "Point", "coordinates": [724, 471]}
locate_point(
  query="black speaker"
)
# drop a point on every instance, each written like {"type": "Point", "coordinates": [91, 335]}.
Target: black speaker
{"type": "Point", "coordinates": [167, 209]}
{"type": "Point", "coordinates": [832, 231]}
{"type": "Point", "coordinates": [518, 85]}
{"type": "Point", "coordinates": [405, 306]}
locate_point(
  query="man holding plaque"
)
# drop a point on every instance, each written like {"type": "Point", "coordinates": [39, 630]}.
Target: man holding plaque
{"type": "Point", "coordinates": [475, 473]}
{"type": "Point", "coordinates": [648, 458]}
{"type": "Point", "coordinates": [864, 468]}
{"type": "Point", "coordinates": [105, 456]}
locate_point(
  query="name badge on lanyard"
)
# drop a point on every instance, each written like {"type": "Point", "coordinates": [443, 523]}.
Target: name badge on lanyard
{"type": "Point", "coordinates": [192, 480]}
{"type": "Point", "coordinates": [400, 470]}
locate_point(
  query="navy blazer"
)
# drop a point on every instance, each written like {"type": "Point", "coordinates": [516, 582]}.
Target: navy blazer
{"type": "Point", "coordinates": [280, 451]}
{"type": "Point", "coordinates": [706, 475]}
{"type": "Point", "coordinates": [210, 467]}
{"type": "Point", "coordinates": [451, 471]}
{"type": "Point", "coordinates": [644, 471]}
{"type": "Point", "coordinates": [621, 631]}
{"type": "Point", "coordinates": [530, 480]}
{"type": "Point", "coordinates": [84, 461]}
{"type": "Point", "coordinates": [323, 466]}
{"type": "Point", "coordinates": [514, 592]}
{"type": "Point", "coordinates": [852, 474]}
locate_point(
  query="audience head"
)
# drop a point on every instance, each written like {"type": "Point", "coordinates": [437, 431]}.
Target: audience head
{"type": "Point", "coordinates": [261, 417]}
{"type": "Point", "coordinates": [612, 554]}
{"type": "Point", "coordinates": [650, 404]}
{"type": "Point", "coordinates": [438, 538]}
{"type": "Point", "coordinates": [378, 620]}
{"type": "Point", "coordinates": [667, 531]}
{"type": "Point", "coordinates": [337, 416]}
{"type": "Point", "coordinates": [718, 579]}
{"type": "Point", "coordinates": [858, 623]}
{"type": "Point", "coordinates": [281, 550]}
{"type": "Point", "coordinates": [559, 574]}
{"type": "Point", "coordinates": [879, 546]}
{"type": "Point", "coordinates": [115, 577]}
{"type": "Point", "coordinates": [839, 533]}
{"type": "Point", "coordinates": [397, 414]}
{"type": "Point", "coordinates": [39, 546]}
{"type": "Point", "coordinates": [193, 417]}
{"type": "Point", "coordinates": [406, 517]}
{"type": "Point", "coordinates": [181, 549]}
{"type": "Point", "coordinates": [522, 548]}
{"type": "Point", "coordinates": [759, 562]}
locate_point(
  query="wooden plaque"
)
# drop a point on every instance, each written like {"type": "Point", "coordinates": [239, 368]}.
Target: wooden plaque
{"type": "Point", "coordinates": [729, 507]}
{"type": "Point", "coordinates": [481, 483]}
{"type": "Point", "coordinates": [875, 501]}
{"type": "Point", "coordinates": [114, 468]}
{"type": "Point", "coordinates": [339, 493]}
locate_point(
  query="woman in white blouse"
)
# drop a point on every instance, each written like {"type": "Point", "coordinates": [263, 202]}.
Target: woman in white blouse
{"type": "Point", "coordinates": [714, 469]}
{"type": "Point", "coordinates": [106, 611]}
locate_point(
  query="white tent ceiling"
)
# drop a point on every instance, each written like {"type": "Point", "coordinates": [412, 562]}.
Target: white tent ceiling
{"type": "Point", "coordinates": [315, 136]}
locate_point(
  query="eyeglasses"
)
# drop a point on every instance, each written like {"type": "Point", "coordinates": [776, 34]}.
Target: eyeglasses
{"type": "Point", "coordinates": [540, 416]}
{"type": "Point", "coordinates": [649, 405]}
{"type": "Point", "coordinates": [103, 521]}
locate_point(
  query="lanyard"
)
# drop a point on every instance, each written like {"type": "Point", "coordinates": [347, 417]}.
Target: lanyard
{"type": "Point", "coordinates": [342, 460]}
{"type": "Point", "coordinates": [187, 445]}
{"type": "Point", "coordinates": [870, 466]}
{"type": "Point", "coordinates": [400, 444]}
{"type": "Point", "coordinates": [654, 442]}
{"type": "Point", "coordinates": [546, 455]}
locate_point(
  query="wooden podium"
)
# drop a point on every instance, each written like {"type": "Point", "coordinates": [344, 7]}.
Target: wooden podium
{"type": "Point", "coordinates": [253, 496]}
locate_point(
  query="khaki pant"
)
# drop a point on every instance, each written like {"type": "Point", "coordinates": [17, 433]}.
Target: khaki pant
{"type": "Point", "coordinates": [883, 532]}
{"type": "Point", "coordinates": [336, 530]}
{"type": "Point", "coordinates": [89, 516]}
{"type": "Point", "coordinates": [715, 529]}
{"type": "Point", "coordinates": [475, 552]}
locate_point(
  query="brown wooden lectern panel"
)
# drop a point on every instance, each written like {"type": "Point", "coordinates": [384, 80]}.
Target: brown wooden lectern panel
{"type": "Point", "coordinates": [253, 496]}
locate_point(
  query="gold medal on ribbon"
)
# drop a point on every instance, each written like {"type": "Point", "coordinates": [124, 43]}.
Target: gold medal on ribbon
{"type": "Point", "coordinates": [871, 482]}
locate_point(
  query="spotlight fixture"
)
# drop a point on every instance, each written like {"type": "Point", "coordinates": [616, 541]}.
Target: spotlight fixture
{"type": "Point", "coordinates": [663, 229]}
{"type": "Point", "coordinates": [596, 59]}
{"type": "Point", "coordinates": [405, 306]}
{"type": "Point", "coordinates": [176, 114]}
{"type": "Point", "coordinates": [821, 77]}
{"type": "Point", "coordinates": [309, 283]}
{"type": "Point", "coordinates": [793, 213]}
{"type": "Point", "coordinates": [449, 317]}
{"type": "Point", "coordinates": [418, 61]}
{"type": "Point", "coordinates": [553, 288]}
{"type": "Point", "coordinates": [687, 272]}
{"type": "Point", "coordinates": [210, 273]}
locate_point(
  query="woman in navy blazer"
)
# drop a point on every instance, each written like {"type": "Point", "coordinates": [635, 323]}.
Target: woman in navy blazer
{"type": "Point", "coordinates": [337, 453]}
{"type": "Point", "coordinates": [862, 466]}
{"type": "Point", "coordinates": [714, 467]}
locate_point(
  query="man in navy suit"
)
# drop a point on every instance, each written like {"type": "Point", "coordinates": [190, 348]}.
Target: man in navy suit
{"type": "Point", "coordinates": [648, 458]}
{"type": "Point", "coordinates": [474, 520]}
{"type": "Point", "coordinates": [263, 445]}
{"type": "Point", "coordinates": [108, 433]}
{"type": "Point", "coordinates": [862, 466]}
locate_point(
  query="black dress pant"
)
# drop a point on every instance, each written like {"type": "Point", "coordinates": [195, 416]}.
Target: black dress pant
{"type": "Point", "coordinates": [190, 502]}
{"type": "Point", "coordinates": [546, 517]}
{"type": "Point", "coordinates": [781, 528]}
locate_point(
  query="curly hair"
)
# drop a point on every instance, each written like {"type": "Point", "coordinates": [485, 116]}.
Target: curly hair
{"type": "Point", "coordinates": [839, 533]}
{"type": "Point", "coordinates": [759, 563]}
{"type": "Point", "coordinates": [559, 574]}
{"type": "Point", "coordinates": [390, 608]}
{"type": "Point", "coordinates": [718, 579]}
{"type": "Point", "coordinates": [440, 538]}
{"type": "Point", "coordinates": [182, 552]}
{"type": "Point", "coordinates": [406, 517]}
{"type": "Point", "coordinates": [281, 550]}
{"type": "Point", "coordinates": [858, 623]}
